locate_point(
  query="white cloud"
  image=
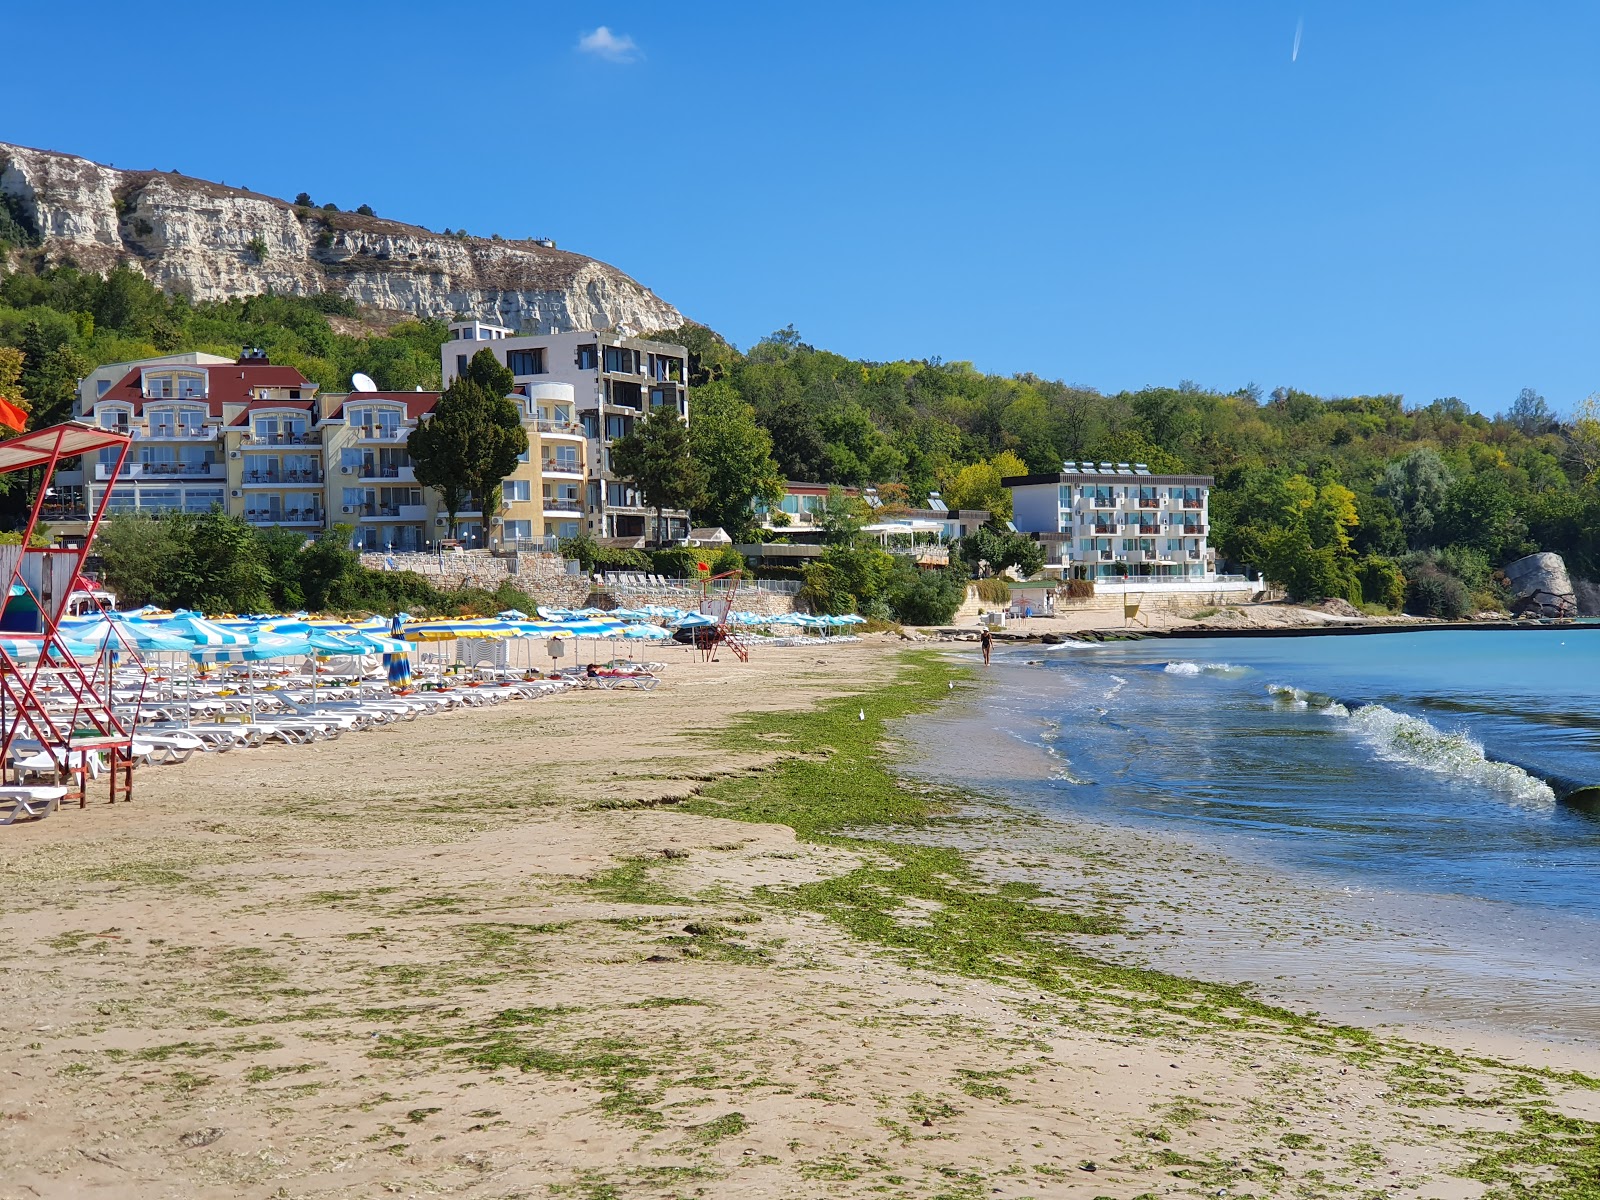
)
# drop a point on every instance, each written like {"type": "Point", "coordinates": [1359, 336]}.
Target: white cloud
{"type": "Point", "coordinates": [602, 43]}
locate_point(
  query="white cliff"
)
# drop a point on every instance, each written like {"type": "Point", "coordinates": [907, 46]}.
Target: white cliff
{"type": "Point", "coordinates": [213, 242]}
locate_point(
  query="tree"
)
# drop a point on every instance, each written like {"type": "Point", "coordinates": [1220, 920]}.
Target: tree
{"type": "Point", "coordinates": [1416, 486]}
{"type": "Point", "coordinates": [473, 439]}
{"type": "Point", "coordinates": [735, 456]}
{"type": "Point", "coordinates": [656, 459]}
{"type": "Point", "coordinates": [1530, 414]}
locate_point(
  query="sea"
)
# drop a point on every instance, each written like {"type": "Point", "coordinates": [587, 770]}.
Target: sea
{"type": "Point", "coordinates": [1409, 803]}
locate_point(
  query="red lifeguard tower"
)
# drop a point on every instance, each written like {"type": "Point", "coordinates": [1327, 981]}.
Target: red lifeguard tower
{"type": "Point", "coordinates": [50, 703]}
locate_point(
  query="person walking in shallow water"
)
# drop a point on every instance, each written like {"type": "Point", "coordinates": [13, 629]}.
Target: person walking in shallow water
{"type": "Point", "coordinates": [986, 640]}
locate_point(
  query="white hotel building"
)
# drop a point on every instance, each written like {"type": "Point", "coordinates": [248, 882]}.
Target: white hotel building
{"type": "Point", "coordinates": [1114, 520]}
{"type": "Point", "coordinates": [615, 381]}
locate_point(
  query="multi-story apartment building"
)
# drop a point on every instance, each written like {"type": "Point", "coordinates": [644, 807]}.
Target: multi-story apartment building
{"type": "Point", "coordinates": [265, 444]}
{"type": "Point", "coordinates": [1108, 520]}
{"type": "Point", "coordinates": [616, 381]}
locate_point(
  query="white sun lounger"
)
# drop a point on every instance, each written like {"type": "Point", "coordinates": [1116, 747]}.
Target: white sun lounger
{"type": "Point", "coordinates": [37, 802]}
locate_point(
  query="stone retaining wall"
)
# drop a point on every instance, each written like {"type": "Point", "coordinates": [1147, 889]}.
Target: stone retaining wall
{"type": "Point", "coordinates": [543, 576]}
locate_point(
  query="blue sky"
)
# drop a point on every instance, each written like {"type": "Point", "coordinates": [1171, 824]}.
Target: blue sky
{"type": "Point", "coordinates": [1112, 195]}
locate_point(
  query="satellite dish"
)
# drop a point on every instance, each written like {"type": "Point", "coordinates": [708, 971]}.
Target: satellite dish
{"type": "Point", "coordinates": [362, 382]}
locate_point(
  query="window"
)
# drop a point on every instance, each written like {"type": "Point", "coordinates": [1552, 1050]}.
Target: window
{"type": "Point", "coordinates": [565, 458]}
{"type": "Point", "coordinates": [159, 499]}
{"type": "Point", "coordinates": [591, 424]}
{"type": "Point", "coordinates": [567, 529]}
{"type": "Point", "coordinates": [620, 495]}
{"type": "Point", "coordinates": [588, 357]}
{"type": "Point", "coordinates": [622, 360]}
{"type": "Point", "coordinates": [515, 490]}
{"type": "Point", "coordinates": [660, 396]}
{"type": "Point", "coordinates": [618, 427]}
{"type": "Point", "coordinates": [158, 387]}
{"type": "Point", "coordinates": [517, 529]}
{"type": "Point", "coordinates": [461, 364]}
{"type": "Point", "coordinates": [594, 493]}
{"type": "Point", "coordinates": [354, 495]}
{"type": "Point", "coordinates": [526, 362]}
{"type": "Point", "coordinates": [202, 500]}
{"type": "Point", "coordinates": [526, 455]}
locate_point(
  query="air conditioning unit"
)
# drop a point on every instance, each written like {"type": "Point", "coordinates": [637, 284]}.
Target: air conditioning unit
{"type": "Point", "coordinates": [348, 509]}
{"type": "Point", "coordinates": [233, 454]}
{"type": "Point", "coordinates": [497, 520]}
{"type": "Point", "coordinates": [347, 470]}
{"type": "Point", "coordinates": [441, 522]}
{"type": "Point", "coordinates": [236, 493]}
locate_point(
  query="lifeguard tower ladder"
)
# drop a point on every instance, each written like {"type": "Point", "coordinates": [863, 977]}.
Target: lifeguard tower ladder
{"type": "Point", "coordinates": [49, 701]}
{"type": "Point", "coordinates": [719, 606]}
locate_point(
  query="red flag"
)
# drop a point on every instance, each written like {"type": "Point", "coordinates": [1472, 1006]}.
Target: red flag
{"type": "Point", "coordinates": [703, 566]}
{"type": "Point", "coordinates": [13, 417]}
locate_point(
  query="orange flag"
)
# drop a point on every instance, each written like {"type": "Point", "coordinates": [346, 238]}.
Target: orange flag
{"type": "Point", "coordinates": [13, 417]}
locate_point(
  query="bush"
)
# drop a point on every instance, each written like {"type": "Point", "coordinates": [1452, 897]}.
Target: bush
{"type": "Point", "coordinates": [1382, 582]}
{"type": "Point", "coordinates": [592, 556]}
{"type": "Point", "coordinates": [1077, 589]}
{"type": "Point", "coordinates": [921, 597]}
{"type": "Point", "coordinates": [994, 591]}
{"type": "Point", "coordinates": [1432, 593]}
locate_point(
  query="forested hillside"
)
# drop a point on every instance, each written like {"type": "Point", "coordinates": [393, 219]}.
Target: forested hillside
{"type": "Point", "coordinates": [1367, 497]}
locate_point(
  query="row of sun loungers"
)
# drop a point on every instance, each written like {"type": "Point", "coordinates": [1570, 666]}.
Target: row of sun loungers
{"type": "Point", "coordinates": [175, 718]}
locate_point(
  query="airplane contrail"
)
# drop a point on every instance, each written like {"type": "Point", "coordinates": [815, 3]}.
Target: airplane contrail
{"type": "Point", "coordinates": [1299, 28]}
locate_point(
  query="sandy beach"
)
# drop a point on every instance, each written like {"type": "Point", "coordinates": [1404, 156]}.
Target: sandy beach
{"type": "Point", "coordinates": [489, 953]}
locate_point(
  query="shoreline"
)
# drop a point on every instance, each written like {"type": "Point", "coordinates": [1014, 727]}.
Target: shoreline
{"type": "Point", "coordinates": [638, 945]}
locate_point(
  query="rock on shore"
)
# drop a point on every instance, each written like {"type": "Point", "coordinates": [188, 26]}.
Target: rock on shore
{"type": "Point", "coordinates": [1540, 587]}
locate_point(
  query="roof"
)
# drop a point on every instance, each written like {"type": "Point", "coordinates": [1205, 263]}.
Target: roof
{"type": "Point", "coordinates": [713, 533]}
{"type": "Point", "coordinates": [229, 383]}
{"type": "Point", "coordinates": [62, 441]}
{"type": "Point", "coordinates": [416, 403]}
{"type": "Point", "coordinates": [1099, 478]}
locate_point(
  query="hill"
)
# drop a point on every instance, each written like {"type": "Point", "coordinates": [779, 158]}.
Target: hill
{"type": "Point", "coordinates": [213, 242]}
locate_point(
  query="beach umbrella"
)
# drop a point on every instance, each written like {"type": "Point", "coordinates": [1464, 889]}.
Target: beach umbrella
{"type": "Point", "coordinates": [200, 632]}
{"type": "Point", "coordinates": [511, 614]}
{"type": "Point", "coordinates": [649, 633]}
{"type": "Point", "coordinates": [399, 661]}
{"type": "Point", "coordinates": [441, 631]}
{"type": "Point", "coordinates": [693, 620]}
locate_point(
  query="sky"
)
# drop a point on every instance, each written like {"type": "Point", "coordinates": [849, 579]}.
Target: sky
{"type": "Point", "coordinates": [1112, 195]}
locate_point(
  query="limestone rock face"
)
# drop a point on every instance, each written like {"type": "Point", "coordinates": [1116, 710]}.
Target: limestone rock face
{"type": "Point", "coordinates": [1540, 587]}
{"type": "Point", "coordinates": [213, 242]}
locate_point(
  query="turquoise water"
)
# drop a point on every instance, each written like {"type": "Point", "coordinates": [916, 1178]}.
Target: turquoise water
{"type": "Point", "coordinates": [1369, 759]}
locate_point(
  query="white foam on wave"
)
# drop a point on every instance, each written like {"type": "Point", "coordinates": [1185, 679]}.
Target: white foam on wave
{"type": "Point", "coordinates": [1182, 667]}
{"type": "Point", "coordinates": [1402, 738]}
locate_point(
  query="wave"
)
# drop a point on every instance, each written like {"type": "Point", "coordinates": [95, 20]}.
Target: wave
{"type": "Point", "coordinates": [1399, 737]}
{"type": "Point", "coordinates": [1181, 667]}
{"type": "Point", "coordinates": [1402, 738]}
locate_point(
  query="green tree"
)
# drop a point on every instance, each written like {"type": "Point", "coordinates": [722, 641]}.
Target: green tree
{"type": "Point", "coordinates": [735, 457]}
{"type": "Point", "coordinates": [656, 458]}
{"type": "Point", "coordinates": [473, 439]}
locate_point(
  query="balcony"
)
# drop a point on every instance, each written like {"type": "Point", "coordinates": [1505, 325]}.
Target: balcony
{"type": "Point", "coordinates": [166, 472]}
{"type": "Point", "coordinates": [1146, 529]}
{"type": "Point", "coordinates": [1105, 527]}
{"type": "Point", "coordinates": [1107, 556]}
{"type": "Point", "coordinates": [381, 433]}
{"type": "Point", "coordinates": [174, 433]}
{"type": "Point", "coordinates": [280, 478]}
{"type": "Point", "coordinates": [1190, 530]}
{"type": "Point", "coordinates": [1149, 502]}
{"type": "Point", "coordinates": [551, 466]}
{"type": "Point", "coordinates": [567, 428]}
{"type": "Point", "coordinates": [284, 516]}
{"type": "Point", "coordinates": [1193, 555]}
{"type": "Point", "coordinates": [552, 505]}
{"type": "Point", "coordinates": [408, 473]}
{"type": "Point", "coordinates": [311, 437]}
{"type": "Point", "coordinates": [1196, 504]}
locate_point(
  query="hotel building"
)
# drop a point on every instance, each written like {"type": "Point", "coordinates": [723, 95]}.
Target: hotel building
{"type": "Point", "coordinates": [616, 380]}
{"type": "Point", "coordinates": [1111, 520]}
{"type": "Point", "coordinates": [265, 444]}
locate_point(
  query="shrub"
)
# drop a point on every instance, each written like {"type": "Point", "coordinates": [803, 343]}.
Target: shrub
{"type": "Point", "coordinates": [1432, 593]}
{"type": "Point", "coordinates": [1076, 589]}
{"type": "Point", "coordinates": [994, 591]}
{"type": "Point", "coordinates": [1382, 582]}
{"type": "Point", "coordinates": [921, 597]}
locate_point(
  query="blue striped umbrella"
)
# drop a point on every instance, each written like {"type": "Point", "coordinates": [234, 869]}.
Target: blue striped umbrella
{"type": "Point", "coordinates": [399, 663]}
